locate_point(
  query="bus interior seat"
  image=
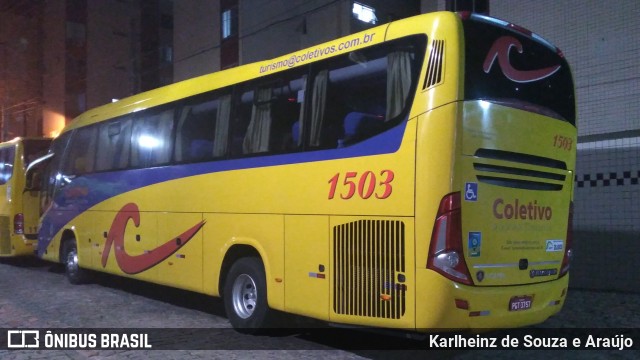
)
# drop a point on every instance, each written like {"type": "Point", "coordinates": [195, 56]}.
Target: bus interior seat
{"type": "Point", "coordinates": [295, 132]}
{"type": "Point", "coordinates": [359, 125]}
{"type": "Point", "coordinates": [200, 149]}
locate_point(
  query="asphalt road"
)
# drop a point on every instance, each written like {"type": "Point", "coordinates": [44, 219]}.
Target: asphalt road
{"type": "Point", "coordinates": [36, 295]}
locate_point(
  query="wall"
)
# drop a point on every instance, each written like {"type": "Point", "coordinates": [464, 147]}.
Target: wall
{"type": "Point", "coordinates": [20, 85]}
{"type": "Point", "coordinates": [196, 38]}
{"type": "Point", "coordinates": [267, 28]}
{"type": "Point", "coordinates": [287, 26]}
{"type": "Point", "coordinates": [112, 51]}
{"type": "Point", "coordinates": [53, 76]}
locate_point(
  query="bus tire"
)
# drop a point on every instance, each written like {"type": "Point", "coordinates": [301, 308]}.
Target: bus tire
{"type": "Point", "coordinates": [75, 274]}
{"type": "Point", "coordinates": [245, 296]}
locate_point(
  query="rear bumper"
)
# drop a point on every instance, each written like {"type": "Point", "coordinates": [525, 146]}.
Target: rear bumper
{"type": "Point", "coordinates": [488, 307]}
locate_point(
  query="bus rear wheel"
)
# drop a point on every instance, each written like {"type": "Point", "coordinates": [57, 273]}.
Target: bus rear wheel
{"type": "Point", "coordinates": [245, 296]}
{"type": "Point", "coordinates": [75, 274]}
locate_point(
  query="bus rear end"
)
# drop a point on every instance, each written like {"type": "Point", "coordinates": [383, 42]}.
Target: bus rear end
{"type": "Point", "coordinates": [501, 242]}
{"type": "Point", "coordinates": [19, 208]}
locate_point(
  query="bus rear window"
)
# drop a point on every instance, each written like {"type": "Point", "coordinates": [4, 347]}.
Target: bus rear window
{"type": "Point", "coordinates": [511, 67]}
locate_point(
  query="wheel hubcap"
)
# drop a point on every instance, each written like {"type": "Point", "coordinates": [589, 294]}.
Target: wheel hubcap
{"type": "Point", "coordinates": [244, 296]}
{"type": "Point", "coordinates": [72, 262]}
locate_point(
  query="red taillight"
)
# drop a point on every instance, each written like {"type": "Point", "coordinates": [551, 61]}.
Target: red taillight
{"type": "Point", "coordinates": [521, 29]}
{"type": "Point", "coordinates": [568, 251]}
{"type": "Point", "coordinates": [446, 255]}
{"type": "Point", "coordinates": [18, 223]}
{"type": "Point", "coordinates": [464, 15]}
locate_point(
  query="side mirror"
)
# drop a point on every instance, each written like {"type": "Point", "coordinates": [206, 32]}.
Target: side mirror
{"type": "Point", "coordinates": [33, 174]}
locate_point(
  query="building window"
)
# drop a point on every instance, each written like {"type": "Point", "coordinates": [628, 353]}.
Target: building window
{"type": "Point", "coordinates": [229, 46]}
{"type": "Point", "coordinates": [364, 13]}
{"type": "Point", "coordinates": [166, 54]}
{"type": "Point", "coordinates": [229, 23]}
{"type": "Point", "coordinates": [476, 6]}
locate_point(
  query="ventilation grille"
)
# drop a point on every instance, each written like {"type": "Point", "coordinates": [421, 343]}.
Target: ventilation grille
{"type": "Point", "coordinates": [435, 66]}
{"type": "Point", "coordinates": [503, 175]}
{"type": "Point", "coordinates": [5, 236]}
{"type": "Point", "coordinates": [369, 269]}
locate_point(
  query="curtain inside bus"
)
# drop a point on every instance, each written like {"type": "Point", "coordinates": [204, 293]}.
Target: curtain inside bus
{"type": "Point", "coordinates": [222, 126]}
{"type": "Point", "coordinates": [257, 137]}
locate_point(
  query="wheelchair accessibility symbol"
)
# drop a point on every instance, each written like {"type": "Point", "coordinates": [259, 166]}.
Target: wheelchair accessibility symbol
{"type": "Point", "coordinates": [471, 191]}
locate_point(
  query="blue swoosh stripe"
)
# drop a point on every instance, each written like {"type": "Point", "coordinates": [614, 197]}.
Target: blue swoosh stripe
{"type": "Point", "coordinates": [72, 200]}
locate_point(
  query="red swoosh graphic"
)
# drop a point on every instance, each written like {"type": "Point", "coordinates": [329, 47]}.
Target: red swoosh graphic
{"type": "Point", "coordinates": [500, 50]}
{"type": "Point", "coordinates": [139, 263]}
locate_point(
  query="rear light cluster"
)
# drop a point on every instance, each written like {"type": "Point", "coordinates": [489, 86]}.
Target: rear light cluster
{"type": "Point", "coordinates": [568, 246]}
{"type": "Point", "coordinates": [446, 255]}
{"type": "Point", "coordinates": [18, 223]}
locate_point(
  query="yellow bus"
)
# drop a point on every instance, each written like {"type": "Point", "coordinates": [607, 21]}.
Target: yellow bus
{"type": "Point", "coordinates": [19, 208]}
{"type": "Point", "coordinates": [417, 175]}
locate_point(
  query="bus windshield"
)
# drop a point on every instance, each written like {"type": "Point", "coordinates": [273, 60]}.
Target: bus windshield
{"type": "Point", "coordinates": [516, 68]}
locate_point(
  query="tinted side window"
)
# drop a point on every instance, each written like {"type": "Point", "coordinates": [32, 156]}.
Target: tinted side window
{"type": "Point", "coordinates": [7, 156]}
{"type": "Point", "coordinates": [270, 114]}
{"type": "Point", "coordinates": [151, 142]}
{"type": "Point", "coordinates": [202, 128]}
{"type": "Point", "coordinates": [81, 153]}
{"type": "Point", "coordinates": [114, 140]}
{"type": "Point", "coordinates": [50, 175]}
{"type": "Point", "coordinates": [360, 94]}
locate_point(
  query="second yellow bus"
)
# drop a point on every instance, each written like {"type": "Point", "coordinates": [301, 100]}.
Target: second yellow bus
{"type": "Point", "coordinates": [19, 207]}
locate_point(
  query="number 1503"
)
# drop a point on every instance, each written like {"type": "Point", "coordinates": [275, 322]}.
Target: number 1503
{"type": "Point", "coordinates": [364, 185]}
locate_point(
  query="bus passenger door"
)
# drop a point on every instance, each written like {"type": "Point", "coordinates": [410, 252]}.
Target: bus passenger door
{"type": "Point", "coordinates": [183, 267]}
{"type": "Point", "coordinates": [306, 257]}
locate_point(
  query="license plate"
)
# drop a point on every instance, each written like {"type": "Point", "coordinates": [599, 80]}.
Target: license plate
{"type": "Point", "coordinates": [519, 303]}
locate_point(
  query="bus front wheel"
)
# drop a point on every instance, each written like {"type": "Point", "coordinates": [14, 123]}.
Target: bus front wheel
{"type": "Point", "coordinates": [75, 274]}
{"type": "Point", "coordinates": [245, 296]}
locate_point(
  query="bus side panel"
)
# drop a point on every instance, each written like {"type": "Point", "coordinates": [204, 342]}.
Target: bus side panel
{"type": "Point", "coordinates": [126, 239]}
{"type": "Point", "coordinates": [435, 161]}
{"type": "Point", "coordinates": [182, 269]}
{"type": "Point", "coordinates": [373, 276]}
{"type": "Point", "coordinates": [96, 239]}
{"type": "Point", "coordinates": [87, 234]}
{"type": "Point", "coordinates": [117, 243]}
{"type": "Point", "coordinates": [307, 268]}
{"type": "Point", "coordinates": [31, 211]}
{"type": "Point", "coordinates": [263, 232]}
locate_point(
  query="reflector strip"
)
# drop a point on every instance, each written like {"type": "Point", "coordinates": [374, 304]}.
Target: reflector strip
{"type": "Point", "coordinates": [316, 275]}
{"type": "Point", "coordinates": [480, 313]}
